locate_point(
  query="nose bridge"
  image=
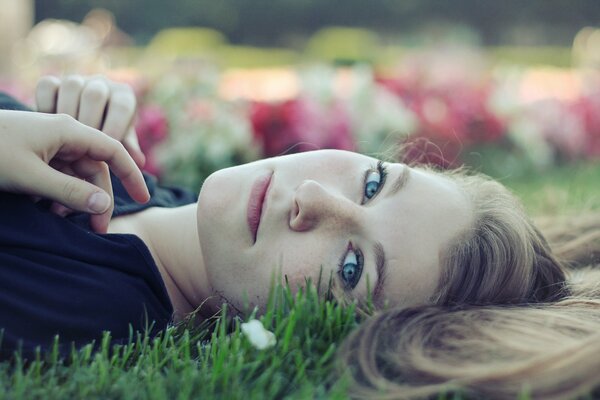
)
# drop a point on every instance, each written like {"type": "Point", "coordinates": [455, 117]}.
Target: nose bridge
{"type": "Point", "coordinates": [316, 204]}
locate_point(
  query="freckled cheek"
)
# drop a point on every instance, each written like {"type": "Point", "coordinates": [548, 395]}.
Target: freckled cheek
{"type": "Point", "coordinates": [296, 276]}
{"type": "Point", "coordinates": [300, 266]}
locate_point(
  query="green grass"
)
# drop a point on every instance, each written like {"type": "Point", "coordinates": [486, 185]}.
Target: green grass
{"type": "Point", "coordinates": [203, 362]}
{"type": "Point", "coordinates": [217, 361]}
{"type": "Point", "coordinates": [568, 189]}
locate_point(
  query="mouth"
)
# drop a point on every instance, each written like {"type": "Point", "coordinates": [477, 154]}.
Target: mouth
{"type": "Point", "coordinates": [256, 203]}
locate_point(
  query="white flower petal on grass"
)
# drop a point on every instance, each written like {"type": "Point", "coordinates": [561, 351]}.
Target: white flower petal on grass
{"type": "Point", "coordinates": [258, 336]}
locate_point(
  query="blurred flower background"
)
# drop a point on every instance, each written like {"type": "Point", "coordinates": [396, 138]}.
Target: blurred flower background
{"type": "Point", "coordinates": [509, 87]}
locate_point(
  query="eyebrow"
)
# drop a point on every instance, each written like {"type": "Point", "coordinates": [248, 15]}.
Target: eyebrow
{"type": "Point", "coordinates": [381, 271]}
{"type": "Point", "coordinates": [400, 181]}
{"type": "Point", "coordinates": [378, 251]}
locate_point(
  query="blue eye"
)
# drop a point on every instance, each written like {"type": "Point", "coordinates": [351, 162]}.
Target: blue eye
{"type": "Point", "coordinates": [372, 184]}
{"type": "Point", "coordinates": [374, 180]}
{"type": "Point", "coordinates": [350, 268]}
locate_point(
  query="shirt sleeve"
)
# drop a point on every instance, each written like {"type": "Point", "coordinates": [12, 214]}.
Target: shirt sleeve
{"type": "Point", "coordinates": [9, 103]}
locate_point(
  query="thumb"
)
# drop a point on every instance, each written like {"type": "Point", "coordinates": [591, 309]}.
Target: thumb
{"type": "Point", "coordinates": [98, 202]}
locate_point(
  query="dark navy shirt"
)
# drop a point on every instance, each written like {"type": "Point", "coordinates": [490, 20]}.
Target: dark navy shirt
{"type": "Point", "coordinates": [59, 277]}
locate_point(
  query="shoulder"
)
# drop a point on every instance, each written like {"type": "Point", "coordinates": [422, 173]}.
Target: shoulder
{"type": "Point", "coordinates": [129, 223]}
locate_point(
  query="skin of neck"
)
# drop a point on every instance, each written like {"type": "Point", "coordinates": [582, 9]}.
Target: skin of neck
{"type": "Point", "coordinates": [171, 235]}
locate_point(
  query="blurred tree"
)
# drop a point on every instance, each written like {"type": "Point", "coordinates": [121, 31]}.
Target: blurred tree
{"type": "Point", "coordinates": [280, 22]}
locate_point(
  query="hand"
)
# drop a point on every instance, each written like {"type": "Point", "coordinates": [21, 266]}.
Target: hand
{"type": "Point", "coordinates": [57, 157]}
{"type": "Point", "coordinates": [97, 102]}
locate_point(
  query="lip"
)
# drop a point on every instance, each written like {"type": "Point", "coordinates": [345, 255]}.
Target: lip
{"type": "Point", "coordinates": [256, 202]}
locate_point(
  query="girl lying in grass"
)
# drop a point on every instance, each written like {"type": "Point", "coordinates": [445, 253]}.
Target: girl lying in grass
{"type": "Point", "coordinates": [473, 295]}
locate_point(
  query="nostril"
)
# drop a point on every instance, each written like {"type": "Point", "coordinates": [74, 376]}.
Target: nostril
{"type": "Point", "coordinates": [294, 211]}
{"type": "Point", "coordinates": [296, 222]}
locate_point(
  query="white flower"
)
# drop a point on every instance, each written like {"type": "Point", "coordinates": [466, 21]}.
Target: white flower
{"type": "Point", "coordinates": [258, 336]}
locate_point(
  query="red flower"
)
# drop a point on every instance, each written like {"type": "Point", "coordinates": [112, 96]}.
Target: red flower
{"type": "Point", "coordinates": [300, 125]}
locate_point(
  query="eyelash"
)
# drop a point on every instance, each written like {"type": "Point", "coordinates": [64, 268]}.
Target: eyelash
{"type": "Point", "coordinates": [351, 251]}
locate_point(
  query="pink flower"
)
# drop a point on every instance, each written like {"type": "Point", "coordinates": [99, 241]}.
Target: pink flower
{"type": "Point", "coordinates": [420, 149]}
{"type": "Point", "coordinates": [587, 108]}
{"type": "Point", "coordinates": [451, 117]}
{"type": "Point", "coordinates": [152, 129]}
{"type": "Point", "coordinates": [200, 110]}
{"type": "Point", "coordinates": [560, 126]}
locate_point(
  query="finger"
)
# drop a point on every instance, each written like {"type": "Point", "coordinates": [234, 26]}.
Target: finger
{"type": "Point", "coordinates": [60, 210]}
{"type": "Point", "coordinates": [94, 97]}
{"type": "Point", "coordinates": [65, 168]}
{"type": "Point", "coordinates": [70, 191]}
{"type": "Point", "coordinates": [59, 165]}
{"type": "Point", "coordinates": [96, 172]}
{"type": "Point", "coordinates": [132, 145]}
{"type": "Point", "coordinates": [80, 140]}
{"type": "Point", "coordinates": [120, 111]}
{"type": "Point", "coordinates": [46, 94]}
{"type": "Point", "coordinates": [69, 95]}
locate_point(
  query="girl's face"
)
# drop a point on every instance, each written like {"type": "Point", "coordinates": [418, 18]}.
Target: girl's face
{"type": "Point", "coordinates": [369, 225]}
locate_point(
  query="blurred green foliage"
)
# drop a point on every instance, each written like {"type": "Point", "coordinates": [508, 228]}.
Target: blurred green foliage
{"type": "Point", "coordinates": [335, 45]}
{"type": "Point", "coordinates": [558, 190]}
{"type": "Point", "coordinates": [255, 57]}
{"type": "Point", "coordinates": [288, 22]}
{"type": "Point", "coordinates": [540, 55]}
{"type": "Point", "coordinates": [185, 41]}
{"type": "Point", "coordinates": [343, 46]}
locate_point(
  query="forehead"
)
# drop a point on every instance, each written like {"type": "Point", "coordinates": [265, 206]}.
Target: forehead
{"type": "Point", "coordinates": [415, 227]}
{"type": "Point", "coordinates": [325, 156]}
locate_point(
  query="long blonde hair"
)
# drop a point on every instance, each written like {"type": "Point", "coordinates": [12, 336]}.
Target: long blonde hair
{"type": "Point", "coordinates": [501, 257]}
{"type": "Point", "coordinates": [510, 316]}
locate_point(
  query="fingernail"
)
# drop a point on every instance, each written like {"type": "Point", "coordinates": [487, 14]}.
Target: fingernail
{"type": "Point", "coordinates": [99, 202]}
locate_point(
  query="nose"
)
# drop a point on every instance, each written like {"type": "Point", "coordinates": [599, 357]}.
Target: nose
{"type": "Point", "coordinates": [313, 205]}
